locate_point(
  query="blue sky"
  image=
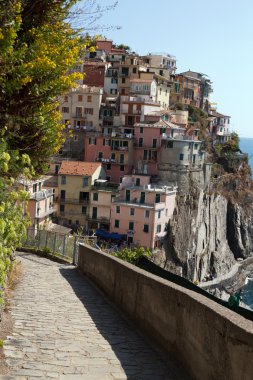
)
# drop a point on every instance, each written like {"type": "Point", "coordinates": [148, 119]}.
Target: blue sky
{"type": "Point", "coordinates": [213, 37]}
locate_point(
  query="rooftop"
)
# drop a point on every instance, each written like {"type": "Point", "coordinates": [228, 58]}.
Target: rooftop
{"type": "Point", "coordinates": [79, 168]}
{"type": "Point", "coordinates": [217, 114]}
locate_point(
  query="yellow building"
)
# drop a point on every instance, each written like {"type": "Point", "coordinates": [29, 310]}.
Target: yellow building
{"type": "Point", "coordinates": [75, 181]}
{"type": "Point", "coordinates": [102, 194]}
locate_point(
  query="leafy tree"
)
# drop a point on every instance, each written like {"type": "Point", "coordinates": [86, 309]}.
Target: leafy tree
{"type": "Point", "coordinates": [38, 54]}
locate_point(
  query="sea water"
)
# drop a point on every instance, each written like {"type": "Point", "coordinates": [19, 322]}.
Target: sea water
{"type": "Point", "coordinates": [246, 146]}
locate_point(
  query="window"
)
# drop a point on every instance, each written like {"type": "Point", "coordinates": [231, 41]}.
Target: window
{"type": "Point", "coordinates": [146, 213]}
{"type": "Point", "coordinates": [134, 70]}
{"type": "Point", "coordinates": [114, 80]}
{"type": "Point", "coordinates": [95, 196]}
{"type": "Point", "coordinates": [157, 198]}
{"type": "Point", "coordinates": [159, 214]}
{"type": "Point", "coordinates": [131, 211]}
{"type": "Point", "coordinates": [92, 141]}
{"type": "Point", "coordinates": [63, 180]}
{"type": "Point", "coordinates": [65, 109]}
{"type": "Point", "coordinates": [181, 157]}
{"type": "Point", "coordinates": [145, 155]}
{"type": "Point", "coordinates": [140, 141]}
{"type": "Point", "coordinates": [154, 143]}
{"type": "Point", "coordinates": [94, 213]}
{"type": "Point", "coordinates": [117, 209]}
{"type": "Point", "coordinates": [62, 208]}
{"type": "Point", "coordinates": [79, 111]}
{"type": "Point", "coordinates": [88, 111]}
{"type": "Point", "coordinates": [142, 197]}
{"type": "Point", "coordinates": [100, 154]}
{"type": "Point", "coordinates": [158, 228]}
{"type": "Point", "coordinates": [131, 226]}
{"type": "Point", "coordinates": [75, 138]}
{"type": "Point", "coordinates": [116, 223]}
{"type": "Point", "coordinates": [122, 168]}
{"type": "Point", "coordinates": [121, 159]}
{"type": "Point", "coordinates": [35, 188]}
{"type": "Point", "coordinates": [66, 98]}
{"type": "Point", "coordinates": [146, 228]}
{"type": "Point", "coordinates": [80, 98]}
{"type": "Point", "coordinates": [141, 129]}
{"type": "Point", "coordinates": [113, 156]}
{"type": "Point", "coordinates": [108, 167]}
{"type": "Point", "coordinates": [89, 99]}
{"type": "Point", "coordinates": [85, 181]}
{"type": "Point", "coordinates": [84, 210]}
{"type": "Point", "coordinates": [138, 182]}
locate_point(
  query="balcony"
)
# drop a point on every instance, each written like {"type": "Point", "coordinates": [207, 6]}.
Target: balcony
{"type": "Point", "coordinates": [43, 194]}
{"type": "Point", "coordinates": [70, 213]}
{"type": "Point", "coordinates": [99, 219]}
{"type": "Point", "coordinates": [74, 201]}
{"type": "Point", "coordinates": [131, 112]}
{"type": "Point", "coordinates": [106, 187]}
{"type": "Point", "coordinates": [130, 232]}
{"type": "Point", "coordinates": [79, 116]}
{"type": "Point", "coordinates": [136, 202]}
{"type": "Point", "coordinates": [41, 215]}
{"type": "Point", "coordinates": [112, 161]}
{"type": "Point", "coordinates": [120, 148]}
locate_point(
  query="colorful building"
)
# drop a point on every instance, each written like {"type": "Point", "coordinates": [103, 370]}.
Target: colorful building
{"type": "Point", "coordinates": [75, 181]}
{"type": "Point", "coordinates": [191, 88]}
{"type": "Point", "coordinates": [40, 206]}
{"type": "Point", "coordinates": [142, 210]}
{"type": "Point", "coordinates": [80, 107]}
{"type": "Point", "coordinates": [219, 127]}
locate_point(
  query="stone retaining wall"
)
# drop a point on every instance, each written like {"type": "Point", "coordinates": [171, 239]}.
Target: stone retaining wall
{"type": "Point", "coordinates": [210, 341]}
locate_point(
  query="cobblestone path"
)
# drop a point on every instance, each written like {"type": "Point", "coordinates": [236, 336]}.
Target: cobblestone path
{"type": "Point", "coordinates": [65, 329]}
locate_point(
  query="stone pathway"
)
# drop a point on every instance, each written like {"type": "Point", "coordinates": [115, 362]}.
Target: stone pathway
{"type": "Point", "coordinates": [65, 329]}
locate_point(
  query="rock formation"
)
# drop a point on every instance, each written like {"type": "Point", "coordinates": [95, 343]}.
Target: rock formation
{"type": "Point", "coordinates": [207, 233]}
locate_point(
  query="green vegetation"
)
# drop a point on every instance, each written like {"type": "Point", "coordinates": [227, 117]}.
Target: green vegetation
{"type": "Point", "coordinates": [132, 255]}
{"type": "Point", "coordinates": [38, 51]}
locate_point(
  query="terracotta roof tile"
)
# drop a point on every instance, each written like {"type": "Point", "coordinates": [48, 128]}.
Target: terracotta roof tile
{"type": "Point", "coordinates": [79, 168]}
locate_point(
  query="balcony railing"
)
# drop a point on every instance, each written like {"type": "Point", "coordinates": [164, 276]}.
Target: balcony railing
{"type": "Point", "coordinates": [74, 201]}
{"type": "Point", "coordinates": [100, 219]}
{"type": "Point", "coordinates": [105, 187]}
{"type": "Point", "coordinates": [43, 194]}
{"type": "Point", "coordinates": [40, 215]}
{"type": "Point", "coordinates": [136, 202]}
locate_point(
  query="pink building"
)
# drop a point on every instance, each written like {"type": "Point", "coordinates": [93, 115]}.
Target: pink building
{"type": "Point", "coordinates": [142, 210]}
{"type": "Point", "coordinates": [148, 138]}
{"type": "Point", "coordinates": [114, 151]}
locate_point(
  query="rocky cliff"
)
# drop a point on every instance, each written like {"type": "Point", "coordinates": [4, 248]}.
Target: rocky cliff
{"type": "Point", "coordinates": [207, 233]}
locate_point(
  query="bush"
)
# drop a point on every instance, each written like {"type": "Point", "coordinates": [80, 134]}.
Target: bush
{"type": "Point", "coordinates": [132, 255]}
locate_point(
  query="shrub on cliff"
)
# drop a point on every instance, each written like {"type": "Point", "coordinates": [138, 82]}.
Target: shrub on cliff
{"type": "Point", "coordinates": [132, 255]}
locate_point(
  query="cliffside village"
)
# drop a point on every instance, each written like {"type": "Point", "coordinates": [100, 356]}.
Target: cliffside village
{"type": "Point", "coordinates": [130, 147]}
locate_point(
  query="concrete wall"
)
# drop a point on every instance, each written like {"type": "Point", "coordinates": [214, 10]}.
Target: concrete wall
{"type": "Point", "coordinates": [210, 341]}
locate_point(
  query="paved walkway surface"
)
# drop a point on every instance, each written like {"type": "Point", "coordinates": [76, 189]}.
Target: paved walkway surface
{"type": "Point", "coordinates": [65, 329]}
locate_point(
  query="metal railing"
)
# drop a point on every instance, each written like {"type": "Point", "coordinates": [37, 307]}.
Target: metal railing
{"type": "Point", "coordinates": [74, 201]}
{"type": "Point", "coordinates": [65, 246]}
